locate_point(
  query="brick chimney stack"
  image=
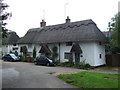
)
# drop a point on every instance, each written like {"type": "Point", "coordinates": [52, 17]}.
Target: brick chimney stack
{"type": "Point", "coordinates": [43, 23]}
{"type": "Point", "coordinates": [68, 19]}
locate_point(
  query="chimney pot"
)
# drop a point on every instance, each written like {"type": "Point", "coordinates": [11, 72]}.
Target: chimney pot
{"type": "Point", "coordinates": [68, 19]}
{"type": "Point", "coordinates": [43, 23]}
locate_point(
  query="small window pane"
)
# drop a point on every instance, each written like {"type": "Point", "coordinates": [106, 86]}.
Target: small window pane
{"type": "Point", "coordinates": [100, 56]}
{"type": "Point", "coordinates": [67, 55]}
{"type": "Point", "coordinates": [68, 43]}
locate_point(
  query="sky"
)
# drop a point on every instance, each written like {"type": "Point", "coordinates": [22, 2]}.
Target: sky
{"type": "Point", "coordinates": [28, 14]}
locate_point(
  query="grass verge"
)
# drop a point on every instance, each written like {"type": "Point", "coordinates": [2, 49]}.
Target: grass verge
{"type": "Point", "coordinates": [91, 80]}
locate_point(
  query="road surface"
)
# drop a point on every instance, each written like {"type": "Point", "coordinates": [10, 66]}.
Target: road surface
{"type": "Point", "coordinates": [28, 75]}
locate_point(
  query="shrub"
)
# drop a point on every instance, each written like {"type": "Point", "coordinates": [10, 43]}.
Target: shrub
{"type": "Point", "coordinates": [54, 54]}
{"type": "Point", "coordinates": [67, 64]}
{"type": "Point", "coordinates": [87, 66]}
{"type": "Point", "coordinates": [34, 52]}
{"type": "Point", "coordinates": [23, 58]}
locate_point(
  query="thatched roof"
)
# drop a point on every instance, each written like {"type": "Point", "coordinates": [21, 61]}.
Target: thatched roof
{"type": "Point", "coordinates": [76, 48]}
{"type": "Point", "coordinates": [11, 38]}
{"type": "Point", "coordinates": [68, 32]}
{"type": "Point", "coordinates": [45, 49]}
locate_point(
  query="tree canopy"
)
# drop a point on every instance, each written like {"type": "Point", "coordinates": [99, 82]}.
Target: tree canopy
{"type": "Point", "coordinates": [114, 27]}
{"type": "Point", "coordinates": [3, 16]}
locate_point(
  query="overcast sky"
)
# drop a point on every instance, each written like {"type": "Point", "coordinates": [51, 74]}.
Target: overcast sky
{"type": "Point", "coordinates": [28, 14]}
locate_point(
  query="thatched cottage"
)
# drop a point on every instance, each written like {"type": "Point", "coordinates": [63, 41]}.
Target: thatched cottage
{"type": "Point", "coordinates": [81, 40]}
{"type": "Point", "coordinates": [9, 44]}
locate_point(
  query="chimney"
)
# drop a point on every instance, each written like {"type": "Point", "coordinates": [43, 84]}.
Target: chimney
{"type": "Point", "coordinates": [68, 19]}
{"type": "Point", "coordinates": [43, 23]}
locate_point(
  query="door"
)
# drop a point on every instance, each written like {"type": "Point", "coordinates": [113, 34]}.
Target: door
{"type": "Point", "coordinates": [77, 58]}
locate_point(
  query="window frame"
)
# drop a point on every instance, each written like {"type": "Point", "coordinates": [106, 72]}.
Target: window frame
{"type": "Point", "coordinates": [68, 56]}
{"type": "Point", "coordinates": [69, 43]}
{"type": "Point", "coordinates": [100, 56]}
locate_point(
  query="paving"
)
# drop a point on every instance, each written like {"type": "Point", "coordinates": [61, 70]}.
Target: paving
{"type": "Point", "coordinates": [28, 75]}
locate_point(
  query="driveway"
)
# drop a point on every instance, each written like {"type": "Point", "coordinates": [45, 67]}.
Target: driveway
{"type": "Point", "coordinates": [28, 75]}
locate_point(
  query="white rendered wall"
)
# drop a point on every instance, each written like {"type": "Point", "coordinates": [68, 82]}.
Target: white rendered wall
{"type": "Point", "coordinates": [91, 51]}
{"type": "Point", "coordinates": [7, 48]}
{"type": "Point", "coordinates": [63, 49]}
{"type": "Point", "coordinates": [88, 54]}
{"type": "Point", "coordinates": [99, 49]}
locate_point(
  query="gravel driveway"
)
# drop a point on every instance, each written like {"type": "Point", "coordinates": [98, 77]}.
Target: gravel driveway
{"type": "Point", "coordinates": [28, 75]}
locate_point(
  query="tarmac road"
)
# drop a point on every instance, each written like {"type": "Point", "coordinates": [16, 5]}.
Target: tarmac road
{"type": "Point", "coordinates": [28, 75]}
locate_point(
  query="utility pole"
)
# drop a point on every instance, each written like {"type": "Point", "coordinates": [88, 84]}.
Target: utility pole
{"type": "Point", "coordinates": [65, 7]}
{"type": "Point", "coordinates": [44, 14]}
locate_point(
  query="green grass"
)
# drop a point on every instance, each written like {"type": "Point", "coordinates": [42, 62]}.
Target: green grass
{"type": "Point", "coordinates": [91, 80]}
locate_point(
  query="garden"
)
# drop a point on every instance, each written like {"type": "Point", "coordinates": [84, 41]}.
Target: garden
{"type": "Point", "coordinates": [88, 80]}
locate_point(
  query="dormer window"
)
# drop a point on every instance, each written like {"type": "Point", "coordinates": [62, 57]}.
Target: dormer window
{"type": "Point", "coordinates": [68, 43]}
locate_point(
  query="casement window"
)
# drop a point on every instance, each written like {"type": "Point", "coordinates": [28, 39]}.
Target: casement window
{"type": "Point", "coordinates": [100, 56]}
{"type": "Point", "coordinates": [67, 55]}
{"type": "Point", "coordinates": [16, 48]}
{"type": "Point", "coordinates": [68, 43]}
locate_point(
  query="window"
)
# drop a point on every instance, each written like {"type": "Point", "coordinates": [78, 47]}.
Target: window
{"type": "Point", "coordinates": [68, 43]}
{"type": "Point", "coordinates": [14, 44]}
{"type": "Point", "coordinates": [100, 56]}
{"type": "Point", "coordinates": [100, 43]}
{"type": "Point", "coordinates": [15, 48]}
{"type": "Point", "coordinates": [67, 55]}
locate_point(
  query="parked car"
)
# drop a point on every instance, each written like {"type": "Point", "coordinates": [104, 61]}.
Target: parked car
{"type": "Point", "coordinates": [43, 60]}
{"type": "Point", "coordinates": [10, 57]}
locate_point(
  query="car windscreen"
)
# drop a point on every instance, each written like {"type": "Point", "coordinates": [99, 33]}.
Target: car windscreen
{"type": "Point", "coordinates": [12, 55]}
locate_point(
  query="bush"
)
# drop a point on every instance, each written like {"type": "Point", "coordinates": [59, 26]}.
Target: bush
{"type": "Point", "coordinates": [34, 52]}
{"type": "Point", "coordinates": [71, 64]}
{"type": "Point", "coordinates": [67, 64]}
{"type": "Point", "coordinates": [23, 59]}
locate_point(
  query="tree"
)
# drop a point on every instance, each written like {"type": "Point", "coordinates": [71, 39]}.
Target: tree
{"type": "Point", "coordinates": [3, 16]}
{"type": "Point", "coordinates": [54, 54]}
{"type": "Point", "coordinates": [114, 27]}
{"type": "Point", "coordinates": [34, 52]}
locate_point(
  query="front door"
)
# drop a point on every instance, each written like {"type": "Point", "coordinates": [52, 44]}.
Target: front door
{"type": "Point", "coordinates": [77, 58]}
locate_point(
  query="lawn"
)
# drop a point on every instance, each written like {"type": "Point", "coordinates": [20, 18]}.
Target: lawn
{"type": "Point", "coordinates": [91, 80]}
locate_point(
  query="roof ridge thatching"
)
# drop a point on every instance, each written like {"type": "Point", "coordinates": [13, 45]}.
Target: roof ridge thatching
{"type": "Point", "coordinates": [11, 38]}
{"type": "Point", "coordinates": [85, 30]}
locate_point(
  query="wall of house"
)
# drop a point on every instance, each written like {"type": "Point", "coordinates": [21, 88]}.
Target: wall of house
{"type": "Point", "coordinates": [38, 47]}
{"type": "Point", "coordinates": [99, 49]}
{"type": "Point", "coordinates": [88, 54]}
{"type": "Point", "coordinates": [7, 48]}
{"type": "Point", "coordinates": [91, 52]}
{"type": "Point", "coordinates": [63, 49]}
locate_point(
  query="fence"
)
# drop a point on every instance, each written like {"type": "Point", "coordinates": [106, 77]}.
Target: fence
{"type": "Point", "coordinates": [113, 60]}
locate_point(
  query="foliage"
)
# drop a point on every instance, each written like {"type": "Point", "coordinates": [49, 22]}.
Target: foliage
{"type": "Point", "coordinates": [23, 58]}
{"type": "Point", "coordinates": [34, 52]}
{"type": "Point", "coordinates": [71, 64]}
{"type": "Point", "coordinates": [67, 64]}
{"type": "Point", "coordinates": [3, 16]}
{"type": "Point", "coordinates": [54, 54]}
{"type": "Point", "coordinates": [114, 27]}
{"type": "Point", "coordinates": [91, 80]}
